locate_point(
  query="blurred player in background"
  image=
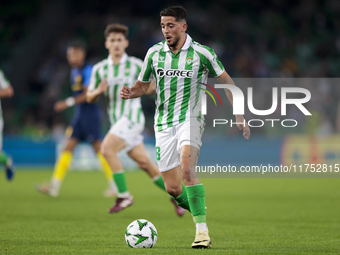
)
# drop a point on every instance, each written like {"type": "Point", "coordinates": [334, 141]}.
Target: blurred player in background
{"type": "Point", "coordinates": [177, 65]}
{"type": "Point", "coordinates": [85, 125]}
{"type": "Point", "coordinates": [126, 117]}
{"type": "Point", "coordinates": [6, 91]}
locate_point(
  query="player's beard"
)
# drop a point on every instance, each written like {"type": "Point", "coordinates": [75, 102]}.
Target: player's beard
{"type": "Point", "coordinates": [176, 40]}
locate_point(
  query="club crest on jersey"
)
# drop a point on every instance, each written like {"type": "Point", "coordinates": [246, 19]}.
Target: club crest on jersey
{"type": "Point", "coordinates": [78, 83]}
{"type": "Point", "coordinates": [189, 60]}
{"type": "Point", "coordinates": [175, 73]}
{"type": "Point", "coordinates": [161, 59]}
{"type": "Point", "coordinates": [105, 73]}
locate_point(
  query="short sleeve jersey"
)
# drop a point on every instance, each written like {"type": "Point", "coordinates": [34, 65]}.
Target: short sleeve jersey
{"type": "Point", "coordinates": [178, 80]}
{"type": "Point", "coordinates": [124, 73]}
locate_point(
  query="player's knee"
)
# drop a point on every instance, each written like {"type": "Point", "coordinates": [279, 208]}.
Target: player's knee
{"type": "Point", "coordinates": [173, 190]}
{"type": "Point", "coordinates": [70, 146]}
{"type": "Point", "coordinates": [185, 168]}
{"type": "Point", "coordinates": [143, 164]}
{"type": "Point", "coordinates": [105, 150]}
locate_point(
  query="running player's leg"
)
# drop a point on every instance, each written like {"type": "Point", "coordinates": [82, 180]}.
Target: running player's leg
{"type": "Point", "coordinates": [194, 188]}
{"type": "Point", "coordinates": [189, 142]}
{"type": "Point", "coordinates": [168, 163]}
{"type": "Point", "coordinates": [111, 145]}
{"type": "Point", "coordinates": [123, 134]}
{"type": "Point", "coordinates": [141, 157]}
{"type": "Point", "coordinates": [60, 169]}
{"type": "Point", "coordinates": [6, 160]}
{"type": "Point", "coordinates": [172, 181]}
{"type": "Point", "coordinates": [112, 190]}
{"type": "Point", "coordinates": [174, 187]}
{"type": "Point", "coordinates": [63, 163]}
{"type": "Point", "coordinates": [196, 195]}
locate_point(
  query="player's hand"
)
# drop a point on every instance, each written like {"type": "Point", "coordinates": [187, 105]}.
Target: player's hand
{"type": "Point", "coordinates": [245, 128]}
{"type": "Point", "coordinates": [125, 92]}
{"type": "Point", "coordinates": [60, 106]}
{"type": "Point", "coordinates": [102, 87]}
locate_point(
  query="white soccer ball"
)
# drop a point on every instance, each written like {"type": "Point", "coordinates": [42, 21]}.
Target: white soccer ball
{"type": "Point", "coordinates": [141, 234]}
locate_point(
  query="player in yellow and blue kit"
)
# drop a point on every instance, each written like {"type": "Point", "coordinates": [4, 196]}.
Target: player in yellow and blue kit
{"type": "Point", "coordinates": [85, 124]}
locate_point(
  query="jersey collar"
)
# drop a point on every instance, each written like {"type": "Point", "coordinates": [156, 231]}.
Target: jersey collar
{"type": "Point", "coordinates": [121, 61]}
{"type": "Point", "coordinates": [186, 45]}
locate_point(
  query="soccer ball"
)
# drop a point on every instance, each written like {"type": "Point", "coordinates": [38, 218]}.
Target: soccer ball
{"type": "Point", "coordinates": [141, 234]}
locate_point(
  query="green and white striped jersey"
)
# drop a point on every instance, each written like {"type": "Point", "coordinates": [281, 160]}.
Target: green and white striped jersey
{"type": "Point", "coordinates": [125, 73]}
{"type": "Point", "coordinates": [177, 77]}
{"type": "Point", "coordinates": [4, 83]}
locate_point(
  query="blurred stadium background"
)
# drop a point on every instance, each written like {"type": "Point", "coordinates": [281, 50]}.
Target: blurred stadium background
{"type": "Point", "coordinates": [252, 39]}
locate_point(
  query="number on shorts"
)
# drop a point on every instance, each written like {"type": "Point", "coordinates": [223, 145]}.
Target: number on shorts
{"type": "Point", "coordinates": [158, 153]}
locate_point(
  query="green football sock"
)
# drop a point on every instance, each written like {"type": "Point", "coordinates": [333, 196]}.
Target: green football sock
{"type": "Point", "coordinates": [3, 158]}
{"type": "Point", "coordinates": [182, 200]}
{"type": "Point", "coordinates": [196, 198]}
{"type": "Point", "coordinates": [159, 182]}
{"type": "Point", "coordinates": [120, 181]}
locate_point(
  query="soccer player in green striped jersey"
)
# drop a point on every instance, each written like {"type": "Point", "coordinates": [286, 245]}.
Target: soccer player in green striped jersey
{"type": "Point", "coordinates": [6, 91]}
{"type": "Point", "coordinates": [126, 117]}
{"type": "Point", "coordinates": [177, 65]}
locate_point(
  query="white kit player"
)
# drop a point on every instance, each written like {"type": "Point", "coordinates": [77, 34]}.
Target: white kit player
{"type": "Point", "coordinates": [179, 66]}
{"type": "Point", "coordinates": [126, 116]}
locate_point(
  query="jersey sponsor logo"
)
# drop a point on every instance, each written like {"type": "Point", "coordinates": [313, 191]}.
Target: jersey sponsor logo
{"type": "Point", "coordinates": [77, 86]}
{"type": "Point", "coordinates": [175, 73]}
{"type": "Point", "coordinates": [119, 80]}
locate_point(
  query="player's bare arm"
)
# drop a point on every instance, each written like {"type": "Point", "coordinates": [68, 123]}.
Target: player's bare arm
{"type": "Point", "coordinates": [152, 88]}
{"type": "Point", "coordinates": [137, 90]}
{"type": "Point", "coordinates": [224, 78]}
{"type": "Point", "coordinates": [70, 101]}
{"type": "Point", "coordinates": [93, 95]}
{"type": "Point", "coordinates": [7, 92]}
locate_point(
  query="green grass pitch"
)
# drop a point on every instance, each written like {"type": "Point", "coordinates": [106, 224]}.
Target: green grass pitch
{"type": "Point", "coordinates": [245, 216]}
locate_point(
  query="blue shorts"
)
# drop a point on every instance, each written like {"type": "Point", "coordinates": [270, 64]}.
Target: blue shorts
{"type": "Point", "coordinates": [86, 128]}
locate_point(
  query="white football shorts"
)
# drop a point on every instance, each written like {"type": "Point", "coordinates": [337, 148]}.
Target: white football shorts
{"type": "Point", "coordinates": [170, 140]}
{"type": "Point", "coordinates": [130, 132]}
